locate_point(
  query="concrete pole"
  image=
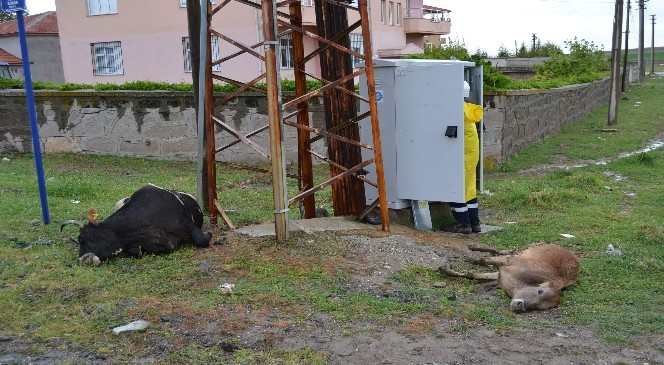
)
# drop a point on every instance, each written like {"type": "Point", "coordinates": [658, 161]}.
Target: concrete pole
{"type": "Point", "coordinates": [201, 156]}
{"type": "Point", "coordinates": [642, 37]}
{"type": "Point", "coordinates": [653, 44]}
{"type": "Point", "coordinates": [626, 58]}
{"type": "Point", "coordinates": [615, 64]}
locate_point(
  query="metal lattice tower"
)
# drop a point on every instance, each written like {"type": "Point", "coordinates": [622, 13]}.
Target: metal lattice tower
{"type": "Point", "coordinates": [338, 90]}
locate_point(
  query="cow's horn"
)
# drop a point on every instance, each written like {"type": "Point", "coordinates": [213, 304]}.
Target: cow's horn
{"type": "Point", "coordinates": [70, 223]}
{"type": "Point", "coordinates": [92, 216]}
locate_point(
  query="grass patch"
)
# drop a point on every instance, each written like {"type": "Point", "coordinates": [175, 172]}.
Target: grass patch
{"type": "Point", "coordinates": [583, 140]}
{"type": "Point", "coordinates": [46, 295]}
{"type": "Point", "coordinates": [621, 296]}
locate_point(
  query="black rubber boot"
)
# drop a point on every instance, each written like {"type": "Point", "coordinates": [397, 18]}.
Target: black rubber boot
{"type": "Point", "coordinates": [459, 228]}
{"type": "Point", "coordinates": [474, 216]}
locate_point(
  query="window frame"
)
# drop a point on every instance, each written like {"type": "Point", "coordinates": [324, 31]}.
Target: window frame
{"type": "Point", "coordinates": [183, 3]}
{"type": "Point", "coordinates": [90, 12]}
{"type": "Point", "coordinates": [357, 44]}
{"type": "Point", "coordinates": [398, 14]}
{"type": "Point", "coordinates": [289, 59]}
{"type": "Point", "coordinates": [94, 48]}
{"type": "Point", "coordinates": [390, 14]}
{"type": "Point", "coordinates": [186, 51]}
{"type": "Point", "coordinates": [383, 10]}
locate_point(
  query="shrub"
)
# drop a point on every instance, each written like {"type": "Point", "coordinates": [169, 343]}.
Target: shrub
{"type": "Point", "coordinates": [585, 59]}
{"type": "Point", "coordinates": [493, 79]}
{"type": "Point", "coordinates": [286, 85]}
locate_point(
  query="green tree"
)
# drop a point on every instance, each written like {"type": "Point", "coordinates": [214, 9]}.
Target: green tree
{"type": "Point", "coordinates": [6, 16]}
{"type": "Point", "coordinates": [523, 51]}
{"type": "Point", "coordinates": [504, 52]}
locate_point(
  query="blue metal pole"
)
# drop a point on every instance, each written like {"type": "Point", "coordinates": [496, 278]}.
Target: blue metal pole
{"type": "Point", "coordinates": [32, 113]}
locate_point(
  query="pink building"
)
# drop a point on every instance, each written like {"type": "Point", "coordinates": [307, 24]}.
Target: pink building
{"type": "Point", "coordinates": [116, 41]}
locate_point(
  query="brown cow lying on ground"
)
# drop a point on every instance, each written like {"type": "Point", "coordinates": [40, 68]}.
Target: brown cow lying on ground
{"type": "Point", "coordinates": [533, 279]}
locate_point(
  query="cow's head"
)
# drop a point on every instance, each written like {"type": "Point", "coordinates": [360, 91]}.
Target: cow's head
{"type": "Point", "coordinates": [96, 242]}
{"type": "Point", "coordinates": [539, 297]}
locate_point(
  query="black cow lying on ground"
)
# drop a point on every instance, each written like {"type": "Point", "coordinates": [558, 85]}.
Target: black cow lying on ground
{"type": "Point", "coordinates": [153, 221]}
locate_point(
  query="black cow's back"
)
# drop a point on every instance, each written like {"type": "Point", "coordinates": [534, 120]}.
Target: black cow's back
{"type": "Point", "coordinates": [152, 206]}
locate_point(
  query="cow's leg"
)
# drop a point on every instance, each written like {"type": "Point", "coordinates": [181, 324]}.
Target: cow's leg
{"type": "Point", "coordinates": [158, 241]}
{"type": "Point", "coordinates": [446, 270]}
{"type": "Point", "coordinates": [490, 250]}
{"type": "Point", "coordinates": [497, 261]}
{"type": "Point", "coordinates": [200, 238]}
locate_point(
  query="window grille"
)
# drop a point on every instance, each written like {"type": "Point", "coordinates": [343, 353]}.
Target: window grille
{"type": "Point", "coordinates": [107, 58]}
{"type": "Point", "coordinates": [186, 53]}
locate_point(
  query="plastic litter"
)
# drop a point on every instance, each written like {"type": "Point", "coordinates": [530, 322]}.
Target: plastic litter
{"type": "Point", "coordinates": [5, 159]}
{"type": "Point", "coordinates": [76, 202]}
{"type": "Point", "coordinates": [612, 251]}
{"type": "Point", "coordinates": [567, 235]}
{"type": "Point", "coordinates": [227, 288]}
{"type": "Point", "coordinates": [135, 326]}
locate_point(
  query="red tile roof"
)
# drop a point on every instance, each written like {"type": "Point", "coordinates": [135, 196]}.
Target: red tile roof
{"type": "Point", "coordinates": [8, 58]}
{"type": "Point", "coordinates": [38, 24]}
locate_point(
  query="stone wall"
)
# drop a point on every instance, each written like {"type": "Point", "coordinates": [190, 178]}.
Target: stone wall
{"type": "Point", "coordinates": [145, 124]}
{"type": "Point", "coordinates": [162, 124]}
{"type": "Point", "coordinates": [517, 119]}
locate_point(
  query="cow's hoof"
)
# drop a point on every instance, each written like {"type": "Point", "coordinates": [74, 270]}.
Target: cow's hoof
{"type": "Point", "coordinates": [89, 259]}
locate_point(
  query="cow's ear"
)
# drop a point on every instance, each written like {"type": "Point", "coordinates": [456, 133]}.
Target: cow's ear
{"type": "Point", "coordinates": [92, 216]}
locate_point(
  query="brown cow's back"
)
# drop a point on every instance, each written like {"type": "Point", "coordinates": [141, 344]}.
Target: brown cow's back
{"type": "Point", "coordinates": [539, 264]}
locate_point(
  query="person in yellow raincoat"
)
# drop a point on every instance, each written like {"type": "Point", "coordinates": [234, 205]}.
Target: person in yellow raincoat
{"type": "Point", "coordinates": [467, 213]}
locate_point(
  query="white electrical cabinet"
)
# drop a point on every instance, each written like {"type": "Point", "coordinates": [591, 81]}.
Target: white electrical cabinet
{"type": "Point", "coordinates": [420, 106]}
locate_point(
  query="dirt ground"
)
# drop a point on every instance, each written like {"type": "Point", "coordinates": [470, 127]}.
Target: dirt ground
{"type": "Point", "coordinates": [424, 339]}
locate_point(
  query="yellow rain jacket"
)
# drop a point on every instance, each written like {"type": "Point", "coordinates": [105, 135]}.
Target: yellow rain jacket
{"type": "Point", "coordinates": [472, 114]}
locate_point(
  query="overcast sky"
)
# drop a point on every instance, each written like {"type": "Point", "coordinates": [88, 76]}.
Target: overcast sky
{"type": "Point", "coordinates": [488, 24]}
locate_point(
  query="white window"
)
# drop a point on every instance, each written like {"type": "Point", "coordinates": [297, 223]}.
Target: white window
{"type": "Point", "coordinates": [398, 13]}
{"type": "Point", "coordinates": [391, 14]}
{"type": "Point", "coordinates": [308, 3]}
{"type": "Point", "coordinates": [357, 45]}
{"type": "Point", "coordinates": [287, 52]}
{"type": "Point", "coordinates": [382, 11]}
{"type": "Point", "coordinates": [216, 53]}
{"type": "Point", "coordinates": [102, 7]}
{"type": "Point", "coordinates": [107, 58]}
{"type": "Point", "coordinates": [183, 3]}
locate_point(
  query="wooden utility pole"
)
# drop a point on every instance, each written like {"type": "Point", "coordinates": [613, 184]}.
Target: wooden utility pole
{"type": "Point", "coordinates": [373, 109]}
{"type": "Point", "coordinates": [626, 58]}
{"type": "Point", "coordinates": [642, 37]}
{"type": "Point", "coordinates": [340, 107]}
{"type": "Point", "coordinates": [614, 95]}
{"type": "Point", "coordinates": [653, 44]}
{"type": "Point", "coordinates": [210, 153]}
{"type": "Point", "coordinates": [274, 115]}
{"type": "Point", "coordinates": [304, 160]}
